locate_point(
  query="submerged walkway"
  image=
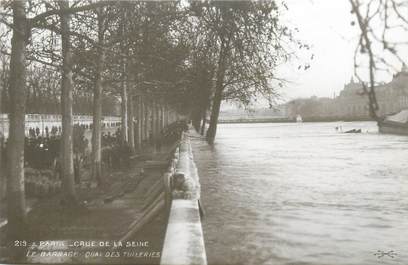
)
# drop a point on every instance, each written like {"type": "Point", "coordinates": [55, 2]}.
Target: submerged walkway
{"type": "Point", "coordinates": [224, 223]}
{"type": "Point", "coordinates": [203, 152]}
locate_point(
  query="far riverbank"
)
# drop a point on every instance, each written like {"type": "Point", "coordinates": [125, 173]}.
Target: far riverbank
{"type": "Point", "coordinates": [289, 120]}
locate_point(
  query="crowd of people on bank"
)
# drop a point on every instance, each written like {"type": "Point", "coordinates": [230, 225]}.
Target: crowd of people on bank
{"type": "Point", "coordinates": [42, 148]}
{"type": "Point", "coordinates": [35, 132]}
{"type": "Point", "coordinates": [42, 152]}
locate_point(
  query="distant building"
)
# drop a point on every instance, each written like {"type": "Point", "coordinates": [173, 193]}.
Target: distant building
{"type": "Point", "coordinates": [255, 114]}
{"type": "Point", "coordinates": [393, 97]}
{"type": "Point", "coordinates": [351, 104]}
{"type": "Point", "coordinates": [313, 107]}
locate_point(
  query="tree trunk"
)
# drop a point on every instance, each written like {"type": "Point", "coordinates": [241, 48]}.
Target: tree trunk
{"type": "Point", "coordinates": [124, 112]}
{"type": "Point", "coordinates": [215, 110]}
{"type": "Point", "coordinates": [161, 125]}
{"type": "Point", "coordinates": [153, 120]}
{"type": "Point", "coordinates": [3, 181]}
{"type": "Point", "coordinates": [131, 124]}
{"type": "Point", "coordinates": [97, 109]}
{"type": "Point", "coordinates": [153, 115]}
{"type": "Point", "coordinates": [148, 121]}
{"type": "Point", "coordinates": [67, 163]}
{"type": "Point", "coordinates": [124, 88]}
{"type": "Point", "coordinates": [159, 119]}
{"type": "Point", "coordinates": [157, 135]}
{"type": "Point", "coordinates": [139, 122]}
{"type": "Point", "coordinates": [15, 148]}
{"type": "Point", "coordinates": [196, 118]}
{"type": "Point", "coordinates": [166, 115]}
{"type": "Point", "coordinates": [204, 121]}
{"type": "Point", "coordinates": [96, 134]}
{"type": "Point", "coordinates": [142, 120]}
{"type": "Point", "coordinates": [163, 118]}
{"type": "Point", "coordinates": [2, 175]}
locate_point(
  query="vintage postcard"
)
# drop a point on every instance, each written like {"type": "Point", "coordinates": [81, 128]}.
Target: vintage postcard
{"type": "Point", "coordinates": [204, 132]}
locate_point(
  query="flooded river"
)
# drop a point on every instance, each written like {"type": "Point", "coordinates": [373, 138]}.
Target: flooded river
{"type": "Point", "coordinates": [304, 194]}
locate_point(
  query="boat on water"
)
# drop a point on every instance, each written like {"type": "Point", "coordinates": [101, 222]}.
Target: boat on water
{"type": "Point", "coordinates": [353, 131]}
{"type": "Point", "coordinates": [395, 124]}
{"type": "Point", "coordinates": [299, 118]}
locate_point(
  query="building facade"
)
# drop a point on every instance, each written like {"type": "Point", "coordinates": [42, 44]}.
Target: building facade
{"type": "Point", "coordinates": [352, 104]}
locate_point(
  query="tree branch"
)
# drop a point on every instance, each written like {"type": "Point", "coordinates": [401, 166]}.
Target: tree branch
{"type": "Point", "coordinates": [34, 22]}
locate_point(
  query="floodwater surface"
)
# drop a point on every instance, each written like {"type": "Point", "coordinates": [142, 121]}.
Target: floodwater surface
{"type": "Point", "coordinates": [304, 193]}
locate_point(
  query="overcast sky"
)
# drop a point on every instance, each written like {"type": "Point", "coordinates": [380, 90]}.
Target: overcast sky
{"type": "Point", "coordinates": [325, 25]}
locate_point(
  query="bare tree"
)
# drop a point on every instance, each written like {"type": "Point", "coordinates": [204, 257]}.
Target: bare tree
{"type": "Point", "coordinates": [377, 50]}
{"type": "Point", "coordinates": [248, 37]}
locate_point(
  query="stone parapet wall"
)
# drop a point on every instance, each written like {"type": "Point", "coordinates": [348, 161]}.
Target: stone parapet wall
{"type": "Point", "coordinates": [184, 240]}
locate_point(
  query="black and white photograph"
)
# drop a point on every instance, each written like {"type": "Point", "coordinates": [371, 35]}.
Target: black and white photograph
{"type": "Point", "coordinates": [204, 132]}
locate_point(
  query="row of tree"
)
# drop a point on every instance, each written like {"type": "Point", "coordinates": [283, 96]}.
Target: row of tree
{"type": "Point", "coordinates": [157, 58]}
{"type": "Point", "coordinates": [43, 94]}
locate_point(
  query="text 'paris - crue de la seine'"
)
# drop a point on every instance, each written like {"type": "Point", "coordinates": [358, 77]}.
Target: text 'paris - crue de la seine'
{"type": "Point", "coordinates": [88, 249]}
